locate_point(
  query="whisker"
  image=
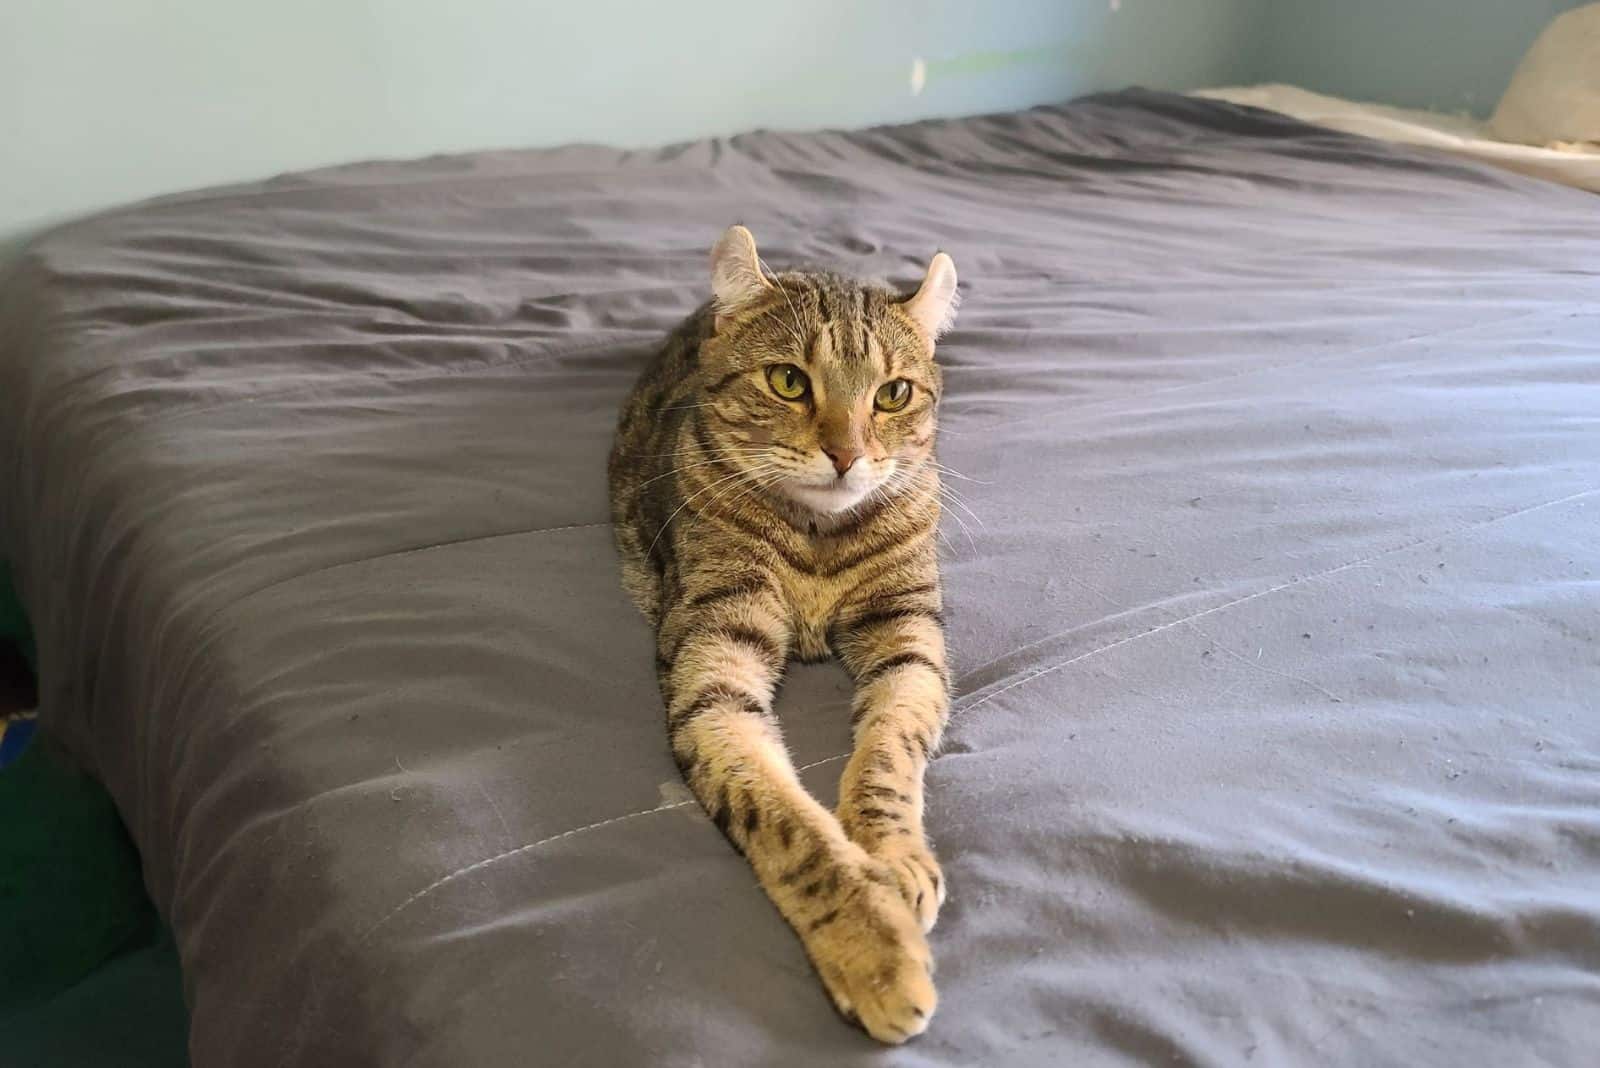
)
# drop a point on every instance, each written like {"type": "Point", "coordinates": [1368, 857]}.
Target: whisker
{"type": "Point", "coordinates": [793, 311]}
{"type": "Point", "coordinates": [747, 450]}
{"type": "Point", "coordinates": [963, 523]}
{"type": "Point", "coordinates": [945, 487]}
{"type": "Point", "coordinates": [960, 499]}
{"type": "Point", "coordinates": [750, 483]}
{"type": "Point", "coordinates": [686, 501]}
{"type": "Point", "coordinates": [683, 467]}
{"type": "Point", "coordinates": [793, 333]}
{"type": "Point", "coordinates": [878, 494]}
{"type": "Point", "coordinates": [762, 484]}
{"type": "Point", "coordinates": [964, 528]}
{"type": "Point", "coordinates": [946, 469]}
{"type": "Point", "coordinates": [955, 498]}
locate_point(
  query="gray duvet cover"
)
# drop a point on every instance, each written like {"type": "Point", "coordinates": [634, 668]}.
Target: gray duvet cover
{"type": "Point", "coordinates": [1276, 739]}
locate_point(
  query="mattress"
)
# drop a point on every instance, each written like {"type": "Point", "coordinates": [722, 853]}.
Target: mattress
{"type": "Point", "coordinates": [1274, 619]}
{"type": "Point", "coordinates": [1573, 164]}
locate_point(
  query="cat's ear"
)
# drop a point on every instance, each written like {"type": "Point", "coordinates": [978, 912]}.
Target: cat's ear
{"type": "Point", "coordinates": [736, 276]}
{"type": "Point", "coordinates": [933, 308]}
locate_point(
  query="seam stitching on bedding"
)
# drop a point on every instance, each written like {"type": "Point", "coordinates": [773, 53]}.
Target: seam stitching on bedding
{"type": "Point", "coordinates": [509, 853]}
{"type": "Point", "coordinates": [980, 702]}
{"type": "Point", "coordinates": [1279, 588]}
{"type": "Point", "coordinates": [1182, 621]}
{"type": "Point", "coordinates": [243, 597]}
{"type": "Point", "coordinates": [485, 862]}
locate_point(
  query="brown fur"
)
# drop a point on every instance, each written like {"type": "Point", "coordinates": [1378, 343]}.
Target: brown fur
{"type": "Point", "coordinates": [738, 577]}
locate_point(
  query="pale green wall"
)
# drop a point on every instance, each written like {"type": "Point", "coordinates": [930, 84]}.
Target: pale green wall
{"type": "Point", "coordinates": [104, 101]}
{"type": "Point", "coordinates": [1445, 55]}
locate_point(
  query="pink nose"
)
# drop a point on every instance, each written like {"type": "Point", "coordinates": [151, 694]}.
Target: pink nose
{"type": "Point", "coordinates": [843, 459]}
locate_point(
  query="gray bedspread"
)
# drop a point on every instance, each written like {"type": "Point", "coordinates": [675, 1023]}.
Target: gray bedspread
{"type": "Point", "coordinates": [1277, 738]}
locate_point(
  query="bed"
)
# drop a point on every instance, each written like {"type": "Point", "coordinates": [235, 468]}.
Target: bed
{"type": "Point", "coordinates": [1274, 618]}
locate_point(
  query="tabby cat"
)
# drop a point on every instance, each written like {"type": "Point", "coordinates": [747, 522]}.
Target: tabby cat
{"type": "Point", "coordinates": [775, 495]}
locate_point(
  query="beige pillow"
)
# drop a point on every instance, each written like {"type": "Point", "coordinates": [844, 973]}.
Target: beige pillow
{"type": "Point", "coordinates": [1554, 97]}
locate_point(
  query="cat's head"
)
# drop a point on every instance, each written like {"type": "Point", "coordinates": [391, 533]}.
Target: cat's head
{"type": "Point", "coordinates": [821, 389]}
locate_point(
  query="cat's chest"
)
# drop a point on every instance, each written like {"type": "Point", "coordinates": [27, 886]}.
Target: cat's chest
{"type": "Point", "coordinates": [822, 577]}
{"type": "Point", "coordinates": [812, 606]}
{"type": "Point", "coordinates": [808, 620]}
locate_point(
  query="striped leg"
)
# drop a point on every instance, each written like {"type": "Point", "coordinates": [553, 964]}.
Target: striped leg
{"type": "Point", "coordinates": [718, 673]}
{"type": "Point", "coordinates": [896, 653]}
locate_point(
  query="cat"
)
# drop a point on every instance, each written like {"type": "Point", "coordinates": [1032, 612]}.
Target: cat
{"type": "Point", "coordinates": [774, 495]}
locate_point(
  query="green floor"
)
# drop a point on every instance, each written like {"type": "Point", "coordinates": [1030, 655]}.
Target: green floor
{"type": "Point", "coordinates": [88, 976]}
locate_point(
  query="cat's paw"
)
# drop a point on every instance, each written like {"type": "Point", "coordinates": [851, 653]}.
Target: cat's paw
{"type": "Point", "coordinates": [916, 871]}
{"type": "Point", "coordinates": [874, 961]}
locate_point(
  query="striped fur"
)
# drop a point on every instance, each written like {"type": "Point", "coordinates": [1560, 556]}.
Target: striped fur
{"type": "Point", "coordinates": [722, 495]}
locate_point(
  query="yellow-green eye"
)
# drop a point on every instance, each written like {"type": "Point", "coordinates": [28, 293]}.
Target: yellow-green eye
{"type": "Point", "coordinates": [893, 396]}
{"type": "Point", "coordinates": [788, 381]}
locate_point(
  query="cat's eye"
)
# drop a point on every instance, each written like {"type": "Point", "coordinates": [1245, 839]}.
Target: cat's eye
{"type": "Point", "coordinates": [788, 381]}
{"type": "Point", "coordinates": [893, 396]}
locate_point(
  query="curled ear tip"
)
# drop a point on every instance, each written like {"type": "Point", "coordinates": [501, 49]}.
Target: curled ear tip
{"type": "Point", "coordinates": [933, 305]}
{"type": "Point", "coordinates": [736, 273]}
{"type": "Point", "coordinates": [736, 246]}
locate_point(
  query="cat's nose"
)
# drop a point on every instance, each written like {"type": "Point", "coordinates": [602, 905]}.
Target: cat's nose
{"type": "Point", "coordinates": [843, 459]}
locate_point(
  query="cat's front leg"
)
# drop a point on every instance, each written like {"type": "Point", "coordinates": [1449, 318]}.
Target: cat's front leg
{"type": "Point", "coordinates": [894, 646]}
{"type": "Point", "coordinates": [720, 655]}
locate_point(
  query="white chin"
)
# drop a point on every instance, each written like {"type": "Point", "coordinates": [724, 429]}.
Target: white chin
{"type": "Point", "coordinates": [826, 500]}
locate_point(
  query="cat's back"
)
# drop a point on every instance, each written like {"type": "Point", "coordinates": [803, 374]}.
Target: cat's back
{"type": "Point", "coordinates": [645, 446]}
{"type": "Point", "coordinates": [655, 407]}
